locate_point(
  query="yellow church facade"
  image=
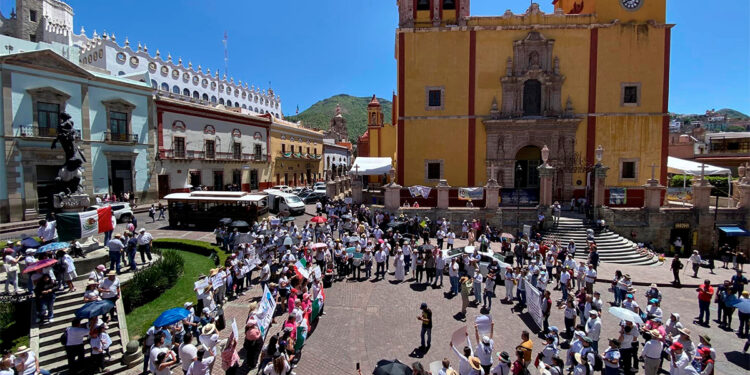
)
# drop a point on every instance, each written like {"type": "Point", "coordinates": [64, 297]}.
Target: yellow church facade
{"type": "Point", "coordinates": [479, 97]}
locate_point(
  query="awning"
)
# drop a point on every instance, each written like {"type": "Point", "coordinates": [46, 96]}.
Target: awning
{"type": "Point", "coordinates": [367, 166]}
{"type": "Point", "coordinates": [682, 166]}
{"type": "Point", "coordinates": [732, 231]}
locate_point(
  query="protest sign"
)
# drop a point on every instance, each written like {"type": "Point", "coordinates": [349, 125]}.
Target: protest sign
{"type": "Point", "coordinates": [201, 284]}
{"type": "Point", "coordinates": [484, 324]}
{"type": "Point", "coordinates": [534, 303]}
{"type": "Point", "coordinates": [458, 339]}
{"type": "Point", "coordinates": [235, 330]}
{"type": "Point", "coordinates": [217, 281]}
{"type": "Point", "coordinates": [264, 313]}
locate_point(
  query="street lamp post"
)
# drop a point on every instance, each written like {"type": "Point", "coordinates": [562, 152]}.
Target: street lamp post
{"type": "Point", "coordinates": [599, 154]}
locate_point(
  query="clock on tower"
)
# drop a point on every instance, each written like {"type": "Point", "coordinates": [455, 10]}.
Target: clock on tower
{"type": "Point", "coordinates": [631, 4]}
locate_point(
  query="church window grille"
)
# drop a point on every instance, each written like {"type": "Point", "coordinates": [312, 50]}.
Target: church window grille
{"type": "Point", "coordinates": [32, 15]}
{"type": "Point", "coordinates": [631, 94]}
{"type": "Point", "coordinates": [449, 4]}
{"type": "Point", "coordinates": [176, 89]}
{"type": "Point", "coordinates": [532, 98]}
{"type": "Point", "coordinates": [186, 92]}
{"type": "Point", "coordinates": [165, 87]}
{"type": "Point", "coordinates": [221, 101]}
{"type": "Point", "coordinates": [204, 97]}
{"type": "Point", "coordinates": [196, 95]}
{"type": "Point", "coordinates": [435, 99]}
{"type": "Point", "coordinates": [423, 5]}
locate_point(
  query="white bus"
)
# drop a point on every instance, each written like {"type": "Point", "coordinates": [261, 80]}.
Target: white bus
{"type": "Point", "coordinates": [206, 208]}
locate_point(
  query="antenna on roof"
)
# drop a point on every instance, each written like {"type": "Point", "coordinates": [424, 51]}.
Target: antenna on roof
{"type": "Point", "coordinates": [226, 54]}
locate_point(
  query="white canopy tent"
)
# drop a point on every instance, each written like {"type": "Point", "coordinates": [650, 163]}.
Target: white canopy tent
{"type": "Point", "coordinates": [367, 166]}
{"type": "Point", "coordinates": [687, 167]}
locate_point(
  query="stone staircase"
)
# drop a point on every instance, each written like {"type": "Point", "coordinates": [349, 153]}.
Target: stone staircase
{"type": "Point", "coordinates": [45, 339]}
{"type": "Point", "coordinates": [612, 247]}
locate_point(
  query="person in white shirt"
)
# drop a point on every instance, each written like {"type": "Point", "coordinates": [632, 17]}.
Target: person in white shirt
{"type": "Point", "coordinates": [70, 272]}
{"type": "Point", "coordinates": [680, 363]}
{"type": "Point", "coordinates": [74, 344]}
{"type": "Point", "coordinates": [27, 362]}
{"type": "Point", "coordinates": [696, 261]}
{"type": "Point", "coordinates": [99, 342]}
{"type": "Point", "coordinates": [484, 348]}
{"type": "Point", "coordinates": [590, 279]}
{"type": "Point", "coordinates": [463, 358]}
{"type": "Point", "coordinates": [144, 244]}
{"type": "Point", "coordinates": [594, 329]}
{"type": "Point", "coordinates": [450, 238]}
{"type": "Point", "coordinates": [47, 231]}
{"type": "Point", "coordinates": [651, 354]}
{"type": "Point", "coordinates": [11, 270]}
{"type": "Point", "coordinates": [110, 287]}
{"type": "Point", "coordinates": [187, 352]}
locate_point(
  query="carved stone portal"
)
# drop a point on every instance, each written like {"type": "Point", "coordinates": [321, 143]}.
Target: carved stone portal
{"type": "Point", "coordinates": [531, 114]}
{"type": "Point", "coordinates": [532, 83]}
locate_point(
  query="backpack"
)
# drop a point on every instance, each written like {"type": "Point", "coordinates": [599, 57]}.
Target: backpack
{"type": "Point", "coordinates": [64, 338]}
{"type": "Point", "coordinates": [598, 364]}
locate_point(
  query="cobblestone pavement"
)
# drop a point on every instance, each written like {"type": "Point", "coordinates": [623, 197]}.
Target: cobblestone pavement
{"type": "Point", "coordinates": [368, 321]}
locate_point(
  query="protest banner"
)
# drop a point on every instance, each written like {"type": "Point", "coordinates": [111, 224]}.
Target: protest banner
{"type": "Point", "coordinates": [534, 303]}
{"type": "Point", "coordinates": [484, 324]}
{"type": "Point", "coordinates": [217, 281]}
{"type": "Point", "coordinates": [201, 284]}
{"type": "Point", "coordinates": [474, 194]}
{"type": "Point", "coordinates": [264, 313]}
{"type": "Point", "coordinates": [458, 339]}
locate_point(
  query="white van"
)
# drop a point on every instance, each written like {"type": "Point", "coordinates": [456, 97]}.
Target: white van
{"type": "Point", "coordinates": [279, 201]}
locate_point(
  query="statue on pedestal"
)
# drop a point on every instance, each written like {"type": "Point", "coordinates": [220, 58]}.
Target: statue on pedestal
{"type": "Point", "coordinates": [70, 174]}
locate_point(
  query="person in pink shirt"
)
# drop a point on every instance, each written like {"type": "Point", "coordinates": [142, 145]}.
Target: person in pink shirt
{"type": "Point", "coordinates": [230, 360]}
{"type": "Point", "coordinates": [291, 325]}
{"type": "Point", "coordinates": [292, 300]}
{"type": "Point", "coordinates": [655, 324]}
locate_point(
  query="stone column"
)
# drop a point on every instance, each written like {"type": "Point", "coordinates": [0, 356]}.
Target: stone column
{"type": "Point", "coordinates": [701, 194]}
{"type": "Point", "coordinates": [442, 194]}
{"type": "Point", "coordinates": [546, 173]}
{"type": "Point", "coordinates": [599, 185]}
{"type": "Point", "coordinates": [743, 191]}
{"type": "Point", "coordinates": [331, 189]}
{"type": "Point", "coordinates": [652, 195]}
{"type": "Point", "coordinates": [357, 190]}
{"type": "Point", "coordinates": [392, 193]}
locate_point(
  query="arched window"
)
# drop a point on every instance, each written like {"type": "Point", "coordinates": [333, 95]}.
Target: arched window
{"type": "Point", "coordinates": [165, 87]}
{"type": "Point", "coordinates": [154, 85]}
{"type": "Point", "coordinates": [532, 98]}
{"type": "Point", "coordinates": [213, 99]}
{"type": "Point", "coordinates": [205, 97]}
{"type": "Point", "coordinates": [229, 103]}
{"type": "Point", "coordinates": [186, 92]}
{"type": "Point", "coordinates": [221, 101]}
{"type": "Point", "coordinates": [244, 106]}
{"type": "Point", "coordinates": [176, 89]}
{"type": "Point", "coordinates": [196, 95]}
{"type": "Point", "coordinates": [237, 104]}
{"type": "Point", "coordinates": [121, 73]}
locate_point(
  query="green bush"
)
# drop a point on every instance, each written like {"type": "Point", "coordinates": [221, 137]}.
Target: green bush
{"type": "Point", "coordinates": [151, 282]}
{"type": "Point", "coordinates": [192, 246]}
{"type": "Point", "coordinates": [14, 329]}
{"type": "Point", "coordinates": [720, 184]}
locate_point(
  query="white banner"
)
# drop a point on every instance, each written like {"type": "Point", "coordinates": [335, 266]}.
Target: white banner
{"type": "Point", "coordinates": [484, 324]}
{"type": "Point", "coordinates": [534, 303]}
{"type": "Point", "coordinates": [264, 313]}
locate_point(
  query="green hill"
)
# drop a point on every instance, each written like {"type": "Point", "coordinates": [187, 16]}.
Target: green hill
{"type": "Point", "coordinates": [732, 114]}
{"type": "Point", "coordinates": [354, 110]}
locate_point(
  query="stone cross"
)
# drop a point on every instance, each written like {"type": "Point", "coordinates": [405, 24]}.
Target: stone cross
{"type": "Point", "coordinates": [492, 169]}
{"type": "Point", "coordinates": [703, 171]}
{"type": "Point", "coordinates": [356, 169]}
{"type": "Point", "coordinates": [653, 171]}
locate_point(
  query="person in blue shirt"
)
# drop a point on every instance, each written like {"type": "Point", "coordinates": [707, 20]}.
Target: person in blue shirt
{"type": "Point", "coordinates": [738, 283]}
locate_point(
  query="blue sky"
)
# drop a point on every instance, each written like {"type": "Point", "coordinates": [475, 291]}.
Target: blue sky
{"type": "Point", "coordinates": [310, 50]}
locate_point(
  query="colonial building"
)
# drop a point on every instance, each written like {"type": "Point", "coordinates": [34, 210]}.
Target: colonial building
{"type": "Point", "coordinates": [380, 139]}
{"type": "Point", "coordinates": [337, 156]}
{"type": "Point", "coordinates": [296, 154]}
{"type": "Point", "coordinates": [111, 116]}
{"type": "Point", "coordinates": [217, 148]}
{"type": "Point", "coordinates": [482, 94]}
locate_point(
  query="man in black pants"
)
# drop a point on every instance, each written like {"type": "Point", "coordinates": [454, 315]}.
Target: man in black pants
{"type": "Point", "coordinates": [74, 345]}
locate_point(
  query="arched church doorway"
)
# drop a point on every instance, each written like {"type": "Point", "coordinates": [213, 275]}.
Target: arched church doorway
{"type": "Point", "coordinates": [526, 173]}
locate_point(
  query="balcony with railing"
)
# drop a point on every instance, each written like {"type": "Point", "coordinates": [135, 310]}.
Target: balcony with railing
{"type": "Point", "coordinates": [211, 157]}
{"type": "Point", "coordinates": [298, 156]}
{"type": "Point", "coordinates": [29, 131]}
{"type": "Point", "coordinates": [120, 137]}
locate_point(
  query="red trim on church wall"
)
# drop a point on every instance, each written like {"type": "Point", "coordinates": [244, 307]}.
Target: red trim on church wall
{"type": "Point", "coordinates": [472, 121]}
{"type": "Point", "coordinates": [160, 129]}
{"type": "Point", "coordinates": [458, 11]}
{"type": "Point", "coordinates": [665, 107]}
{"type": "Point", "coordinates": [591, 121]}
{"type": "Point", "coordinates": [401, 87]}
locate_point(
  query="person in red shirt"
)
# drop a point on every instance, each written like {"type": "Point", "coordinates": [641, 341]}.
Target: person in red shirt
{"type": "Point", "coordinates": [705, 292]}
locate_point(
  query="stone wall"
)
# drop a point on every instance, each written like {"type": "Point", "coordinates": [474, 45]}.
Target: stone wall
{"type": "Point", "coordinates": [499, 218]}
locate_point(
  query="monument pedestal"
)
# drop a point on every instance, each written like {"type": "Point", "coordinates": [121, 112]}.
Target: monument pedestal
{"type": "Point", "coordinates": [357, 190]}
{"type": "Point", "coordinates": [702, 195]}
{"type": "Point", "coordinates": [442, 194]}
{"type": "Point", "coordinates": [652, 198]}
{"type": "Point", "coordinates": [546, 172]}
{"type": "Point", "coordinates": [392, 196]}
{"type": "Point", "coordinates": [492, 198]}
{"type": "Point", "coordinates": [71, 203]}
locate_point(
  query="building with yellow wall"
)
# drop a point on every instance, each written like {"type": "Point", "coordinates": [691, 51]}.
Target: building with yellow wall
{"type": "Point", "coordinates": [482, 94]}
{"type": "Point", "coordinates": [296, 154]}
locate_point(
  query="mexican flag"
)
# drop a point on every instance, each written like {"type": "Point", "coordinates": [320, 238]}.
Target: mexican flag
{"type": "Point", "coordinates": [72, 226]}
{"type": "Point", "coordinates": [317, 306]}
{"type": "Point", "coordinates": [301, 268]}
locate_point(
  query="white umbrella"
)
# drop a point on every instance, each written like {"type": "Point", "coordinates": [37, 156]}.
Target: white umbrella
{"type": "Point", "coordinates": [625, 314]}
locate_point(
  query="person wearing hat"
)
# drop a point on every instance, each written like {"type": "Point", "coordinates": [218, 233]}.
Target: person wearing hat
{"type": "Point", "coordinates": [115, 246]}
{"type": "Point", "coordinates": [426, 319]}
{"type": "Point", "coordinates": [628, 341]}
{"type": "Point", "coordinates": [91, 293]}
{"type": "Point", "coordinates": [109, 288]}
{"type": "Point", "coordinates": [744, 318]}
{"type": "Point", "coordinates": [653, 292]}
{"type": "Point", "coordinates": [695, 260]}
{"type": "Point", "coordinates": [484, 348]}
{"type": "Point", "coordinates": [463, 358]}
{"type": "Point", "coordinates": [705, 342]}
{"type": "Point", "coordinates": [476, 366]}
{"type": "Point", "coordinates": [503, 365]}
{"type": "Point", "coordinates": [583, 367]}
{"type": "Point", "coordinates": [680, 363]}
{"type": "Point", "coordinates": [630, 304]}
{"type": "Point", "coordinates": [549, 351]}
{"type": "Point", "coordinates": [652, 352]}
{"type": "Point", "coordinates": [27, 362]}
{"type": "Point", "coordinates": [465, 285]}
{"type": "Point", "coordinates": [10, 264]}
{"type": "Point", "coordinates": [687, 343]}
{"type": "Point", "coordinates": [611, 358]}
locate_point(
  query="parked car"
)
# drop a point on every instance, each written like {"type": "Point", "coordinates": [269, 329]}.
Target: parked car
{"type": "Point", "coordinates": [284, 188]}
{"type": "Point", "coordinates": [313, 197]}
{"type": "Point", "coordinates": [122, 211]}
{"type": "Point", "coordinates": [486, 257]}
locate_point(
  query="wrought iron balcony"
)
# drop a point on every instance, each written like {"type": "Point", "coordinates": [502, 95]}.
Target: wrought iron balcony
{"type": "Point", "coordinates": [42, 132]}
{"type": "Point", "coordinates": [120, 137]}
